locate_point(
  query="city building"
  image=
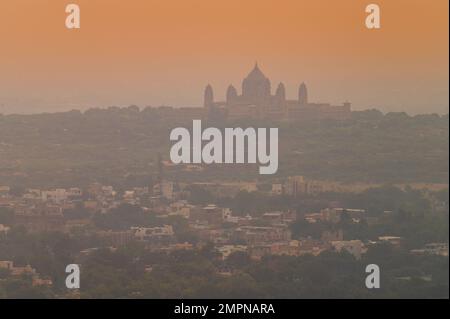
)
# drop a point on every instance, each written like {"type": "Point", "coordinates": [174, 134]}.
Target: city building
{"type": "Point", "coordinates": [154, 234]}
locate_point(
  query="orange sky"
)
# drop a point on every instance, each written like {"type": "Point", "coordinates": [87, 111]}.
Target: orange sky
{"type": "Point", "coordinates": [153, 52]}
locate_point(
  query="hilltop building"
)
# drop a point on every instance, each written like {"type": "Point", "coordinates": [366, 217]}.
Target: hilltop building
{"type": "Point", "coordinates": [257, 101]}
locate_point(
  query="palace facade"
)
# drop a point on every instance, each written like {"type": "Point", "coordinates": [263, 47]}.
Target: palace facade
{"type": "Point", "coordinates": [257, 101]}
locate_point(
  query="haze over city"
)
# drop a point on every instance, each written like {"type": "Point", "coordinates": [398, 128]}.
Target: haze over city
{"type": "Point", "coordinates": [195, 153]}
{"type": "Point", "coordinates": [165, 52]}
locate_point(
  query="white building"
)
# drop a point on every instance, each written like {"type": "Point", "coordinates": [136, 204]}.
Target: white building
{"type": "Point", "coordinates": [57, 195]}
{"type": "Point", "coordinates": [4, 229]}
{"type": "Point", "coordinates": [153, 233]}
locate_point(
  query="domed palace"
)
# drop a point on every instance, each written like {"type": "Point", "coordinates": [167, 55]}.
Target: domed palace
{"type": "Point", "coordinates": [257, 101]}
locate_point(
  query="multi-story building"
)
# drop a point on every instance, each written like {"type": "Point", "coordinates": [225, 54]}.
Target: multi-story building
{"type": "Point", "coordinates": [254, 235]}
{"type": "Point", "coordinates": [164, 234]}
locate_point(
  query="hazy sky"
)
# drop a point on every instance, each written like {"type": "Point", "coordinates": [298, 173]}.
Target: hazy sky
{"type": "Point", "coordinates": [153, 52]}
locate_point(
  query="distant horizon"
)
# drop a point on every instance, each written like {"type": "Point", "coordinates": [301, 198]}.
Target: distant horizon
{"type": "Point", "coordinates": [219, 93]}
{"type": "Point", "coordinates": [141, 108]}
{"type": "Point", "coordinates": [221, 97]}
{"type": "Point", "coordinates": [154, 52]}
